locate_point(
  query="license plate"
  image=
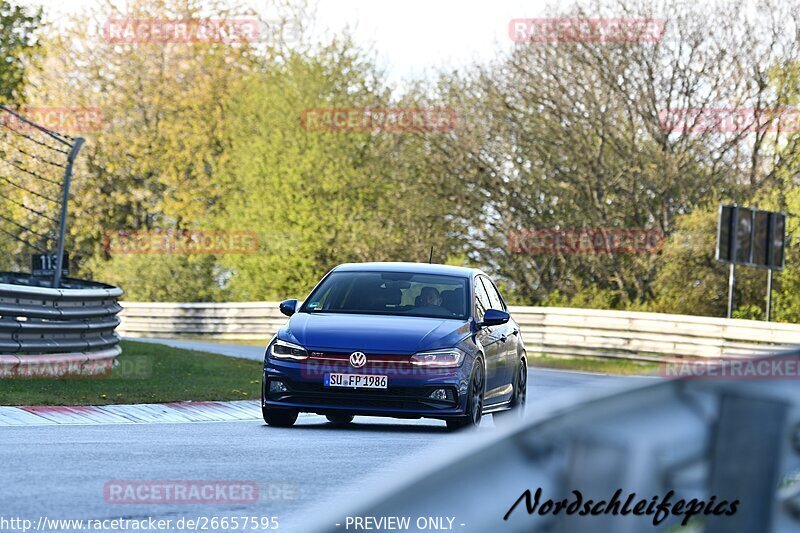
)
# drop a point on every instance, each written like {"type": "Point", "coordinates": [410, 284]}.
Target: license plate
{"type": "Point", "coordinates": [356, 381]}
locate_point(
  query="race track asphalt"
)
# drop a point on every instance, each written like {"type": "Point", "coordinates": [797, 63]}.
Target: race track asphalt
{"type": "Point", "coordinates": [60, 472]}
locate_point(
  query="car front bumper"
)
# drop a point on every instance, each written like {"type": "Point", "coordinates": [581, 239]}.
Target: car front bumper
{"type": "Point", "coordinates": [407, 394]}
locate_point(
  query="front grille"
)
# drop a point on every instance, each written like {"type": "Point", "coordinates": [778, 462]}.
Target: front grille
{"type": "Point", "coordinates": [374, 361]}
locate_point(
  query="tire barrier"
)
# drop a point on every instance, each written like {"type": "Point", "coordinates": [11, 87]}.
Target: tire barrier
{"type": "Point", "coordinates": [47, 331]}
{"type": "Point", "coordinates": [546, 330]}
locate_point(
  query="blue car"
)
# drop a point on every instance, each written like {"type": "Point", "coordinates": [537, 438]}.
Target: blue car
{"type": "Point", "coordinates": [404, 340]}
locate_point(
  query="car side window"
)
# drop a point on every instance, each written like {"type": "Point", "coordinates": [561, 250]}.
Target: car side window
{"type": "Point", "coordinates": [494, 295]}
{"type": "Point", "coordinates": [482, 302]}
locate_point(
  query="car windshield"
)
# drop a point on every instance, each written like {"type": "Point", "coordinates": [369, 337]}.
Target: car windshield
{"type": "Point", "coordinates": [390, 293]}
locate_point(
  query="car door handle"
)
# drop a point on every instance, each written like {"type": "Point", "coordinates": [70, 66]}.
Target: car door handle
{"type": "Point", "coordinates": [515, 332]}
{"type": "Point", "coordinates": [503, 338]}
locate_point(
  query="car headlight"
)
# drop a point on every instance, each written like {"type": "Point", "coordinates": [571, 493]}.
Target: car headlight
{"type": "Point", "coordinates": [286, 350]}
{"type": "Point", "coordinates": [450, 357]}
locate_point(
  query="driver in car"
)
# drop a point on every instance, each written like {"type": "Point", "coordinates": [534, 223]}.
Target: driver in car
{"type": "Point", "coordinates": [430, 297]}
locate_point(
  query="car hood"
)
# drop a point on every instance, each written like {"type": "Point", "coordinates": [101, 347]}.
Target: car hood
{"type": "Point", "coordinates": [371, 333]}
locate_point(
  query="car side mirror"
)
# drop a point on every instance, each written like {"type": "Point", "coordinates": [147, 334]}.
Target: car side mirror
{"type": "Point", "coordinates": [288, 307]}
{"type": "Point", "coordinates": [494, 317]}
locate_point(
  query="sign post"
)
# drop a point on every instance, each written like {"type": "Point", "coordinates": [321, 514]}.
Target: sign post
{"type": "Point", "coordinates": [754, 238]}
{"type": "Point", "coordinates": [769, 294]}
{"type": "Point", "coordinates": [731, 286]}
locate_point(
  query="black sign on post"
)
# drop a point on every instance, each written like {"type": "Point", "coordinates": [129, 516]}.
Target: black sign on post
{"type": "Point", "coordinates": [744, 237]}
{"type": "Point", "coordinates": [778, 234]}
{"type": "Point", "coordinates": [45, 264]}
{"type": "Point", "coordinates": [762, 239]}
{"type": "Point", "coordinates": [724, 234]}
{"type": "Point", "coordinates": [749, 237]}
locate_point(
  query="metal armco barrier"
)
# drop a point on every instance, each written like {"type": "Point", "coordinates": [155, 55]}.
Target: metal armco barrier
{"type": "Point", "coordinates": [56, 328]}
{"type": "Point", "coordinates": [244, 320]}
{"type": "Point", "coordinates": [546, 330]}
{"type": "Point", "coordinates": [713, 441]}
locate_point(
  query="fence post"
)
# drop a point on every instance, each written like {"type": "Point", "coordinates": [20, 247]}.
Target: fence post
{"type": "Point", "coordinates": [62, 227]}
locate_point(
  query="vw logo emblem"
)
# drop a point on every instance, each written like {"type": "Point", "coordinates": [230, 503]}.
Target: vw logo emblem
{"type": "Point", "coordinates": [358, 359]}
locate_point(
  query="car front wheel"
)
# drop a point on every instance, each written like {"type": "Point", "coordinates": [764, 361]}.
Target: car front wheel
{"type": "Point", "coordinates": [339, 420]}
{"type": "Point", "coordinates": [474, 410]}
{"type": "Point", "coordinates": [283, 418]}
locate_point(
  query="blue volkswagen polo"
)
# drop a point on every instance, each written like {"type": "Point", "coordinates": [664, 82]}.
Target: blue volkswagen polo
{"type": "Point", "coordinates": [404, 340]}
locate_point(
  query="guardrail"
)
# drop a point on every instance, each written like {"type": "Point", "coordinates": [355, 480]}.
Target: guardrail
{"type": "Point", "coordinates": [545, 330]}
{"type": "Point", "coordinates": [647, 336]}
{"type": "Point", "coordinates": [719, 454]}
{"type": "Point", "coordinates": [52, 331]}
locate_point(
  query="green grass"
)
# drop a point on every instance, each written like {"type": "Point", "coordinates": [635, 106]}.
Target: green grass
{"type": "Point", "coordinates": [591, 364]}
{"type": "Point", "coordinates": [147, 373]}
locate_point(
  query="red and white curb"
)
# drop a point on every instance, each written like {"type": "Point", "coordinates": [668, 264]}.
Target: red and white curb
{"type": "Point", "coordinates": [159, 413]}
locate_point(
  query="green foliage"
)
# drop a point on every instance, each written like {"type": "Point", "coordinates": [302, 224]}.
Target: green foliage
{"type": "Point", "coordinates": [322, 198]}
{"type": "Point", "coordinates": [18, 44]}
{"type": "Point", "coordinates": [173, 278]}
{"type": "Point", "coordinates": [306, 194]}
{"type": "Point", "coordinates": [689, 280]}
{"type": "Point", "coordinates": [208, 136]}
{"type": "Point", "coordinates": [591, 297]}
{"type": "Point", "coordinates": [749, 312]}
{"type": "Point", "coordinates": [154, 164]}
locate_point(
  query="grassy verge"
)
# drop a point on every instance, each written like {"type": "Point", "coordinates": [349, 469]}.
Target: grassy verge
{"type": "Point", "coordinates": [147, 373]}
{"type": "Point", "coordinates": [591, 364]}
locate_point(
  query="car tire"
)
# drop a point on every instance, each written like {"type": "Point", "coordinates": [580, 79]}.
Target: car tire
{"type": "Point", "coordinates": [474, 402]}
{"type": "Point", "coordinates": [339, 420]}
{"type": "Point", "coordinates": [516, 408]}
{"type": "Point", "coordinates": [282, 418]}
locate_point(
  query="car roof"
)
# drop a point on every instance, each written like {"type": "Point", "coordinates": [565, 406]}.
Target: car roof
{"type": "Point", "coordinates": [416, 268]}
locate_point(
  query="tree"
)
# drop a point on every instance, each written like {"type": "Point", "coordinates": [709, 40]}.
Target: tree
{"type": "Point", "coordinates": [18, 45]}
{"type": "Point", "coordinates": [689, 279]}
{"type": "Point", "coordinates": [154, 162]}
{"type": "Point", "coordinates": [319, 198]}
{"type": "Point", "coordinates": [573, 135]}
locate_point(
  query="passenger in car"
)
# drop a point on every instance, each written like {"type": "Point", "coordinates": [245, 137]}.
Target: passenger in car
{"type": "Point", "coordinates": [430, 297]}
